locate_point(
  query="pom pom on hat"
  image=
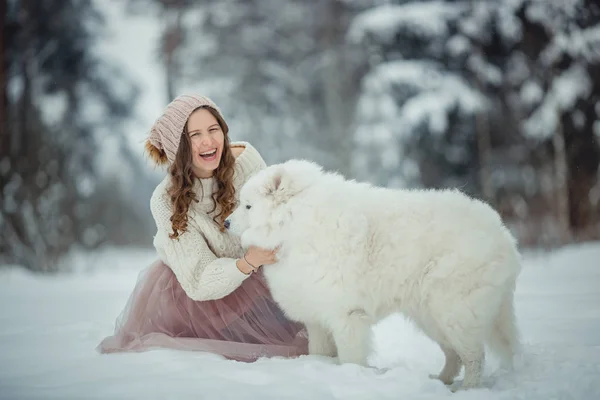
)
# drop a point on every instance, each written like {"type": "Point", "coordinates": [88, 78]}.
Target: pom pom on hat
{"type": "Point", "coordinates": [157, 155]}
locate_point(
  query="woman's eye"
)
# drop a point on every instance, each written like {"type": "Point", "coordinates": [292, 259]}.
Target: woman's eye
{"type": "Point", "coordinates": [248, 207]}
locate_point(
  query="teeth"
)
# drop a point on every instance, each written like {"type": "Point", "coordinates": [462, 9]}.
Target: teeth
{"type": "Point", "coordinates": [209, 152]}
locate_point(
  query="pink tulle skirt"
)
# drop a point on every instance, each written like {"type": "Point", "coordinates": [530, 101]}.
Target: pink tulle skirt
{"type": "Point", "coordinates": [245, 325]}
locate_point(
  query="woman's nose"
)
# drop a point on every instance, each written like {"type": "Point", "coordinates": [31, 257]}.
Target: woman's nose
{"type": "Point", "coordinates": [206, 141]}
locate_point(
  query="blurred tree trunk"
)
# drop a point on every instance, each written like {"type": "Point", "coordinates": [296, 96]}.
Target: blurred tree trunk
{"type": "Point", "coordinates": [4, 131]}
{"type": "Point", "coordinates": [172, 40]}
{"type": "Point", "coordinates": [332, 88]}
{"type": "Point", "coordinates": [339, 93]}
{"type": "Point", "coordinates": [484, 152]}
{"type": "Point", "coordinates": [4, 135]}
{"type": "Point", "coordinates": [19, 133]}
{"type": "Point", "coordinates": [25, 110]}
{"type": "Point", "coordinates": [583, 159]}
{"type": "Point", "coordinates": [561, 191]}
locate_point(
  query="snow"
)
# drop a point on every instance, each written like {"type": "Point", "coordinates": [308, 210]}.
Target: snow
{"type": "Point", "coordinates": [51, 325]}
{"type": "Point", "coordinates": [427, 19]}
{"type": "Point", "coordinates": [486, 71]}
{"type": "Point", "coordinates": [518, 71]}
{"type": "Point", "coordinates": [458, 45]}
{"type": "Point", "coordinates": [553, 14]}
{"type": "Point", "coordinates": [583, 44]}
{"type": "Point", "coordinates": [437, 92]}
{"type": "Point", "coordinates": [566, 89]}
{"type": "Point", "coordinates": [400, 98]}
{"type": "Point", "coordinates": [508, 23]}
{"type": "Point", "coordinates": [55, 107]}
{"type": "Point", "coordinates": [531, 93]}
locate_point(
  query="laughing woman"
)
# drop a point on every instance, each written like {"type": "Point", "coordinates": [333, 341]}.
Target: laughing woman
{"type": "Point", "coordinates": [205, 293]}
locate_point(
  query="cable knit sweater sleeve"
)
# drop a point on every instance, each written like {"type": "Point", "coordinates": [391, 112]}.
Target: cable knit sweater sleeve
{"type": "Point", "coordinates": [202, 275]}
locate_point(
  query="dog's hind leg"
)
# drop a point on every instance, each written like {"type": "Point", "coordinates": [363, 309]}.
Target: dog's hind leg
{"type": "Point", "coordinates": [351, 334]}
{"type": "Point", "coordinates": [470, 349]}
{"type": "Point", "coordinates": [473, 360]}
{"type": "Point", "coordinates": [320, 341]}
{"type": "Point", "coordinates": [465, 335]}
{"type": "Point", "coordinates": [451, 368]}
{"type": "Point", "coordinates": [504, 336]}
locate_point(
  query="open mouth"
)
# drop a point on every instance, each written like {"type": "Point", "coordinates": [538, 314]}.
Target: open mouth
{"type": "Point", "coordinates": [209, 155]}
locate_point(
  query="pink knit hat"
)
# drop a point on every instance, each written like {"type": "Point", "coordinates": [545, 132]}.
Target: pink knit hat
{"type": "Point", "coordinates": [163, 142]}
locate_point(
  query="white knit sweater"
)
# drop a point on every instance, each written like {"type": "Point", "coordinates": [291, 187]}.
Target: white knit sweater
{"type": "Point", "coordinates": [203, 258]}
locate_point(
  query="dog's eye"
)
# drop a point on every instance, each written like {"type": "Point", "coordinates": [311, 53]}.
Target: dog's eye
{"type": "Point", "coordinates": [248, 207]}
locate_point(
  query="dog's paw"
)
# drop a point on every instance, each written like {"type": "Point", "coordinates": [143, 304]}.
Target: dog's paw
{"type": "Point", "coordinates": [445, 379]}
{"type": "Point", "coordinates": [459, 386]}
{"type": "Point", "coordinates": [322, 348]}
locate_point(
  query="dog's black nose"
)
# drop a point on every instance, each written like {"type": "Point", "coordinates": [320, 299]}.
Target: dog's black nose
{"type": "Point", "coordinates": [226, 224]}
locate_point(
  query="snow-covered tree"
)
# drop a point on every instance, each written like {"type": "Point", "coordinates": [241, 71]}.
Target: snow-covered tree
{"type": "Point", "coordinates": [415, 117]}
{"type": "Point", "coordinates": [505, 98]}
{"type": "Point", "coordinates": [539, 62]}
{"type": "Point", "coordinates": [56, 95]}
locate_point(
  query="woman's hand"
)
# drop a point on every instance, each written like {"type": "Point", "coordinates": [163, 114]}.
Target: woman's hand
{"type": "Point", "coordinates": [257, 256]}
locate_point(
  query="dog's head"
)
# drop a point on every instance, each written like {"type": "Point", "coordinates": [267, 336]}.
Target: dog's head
{"type": "Point", "coordinates": [264, 211]}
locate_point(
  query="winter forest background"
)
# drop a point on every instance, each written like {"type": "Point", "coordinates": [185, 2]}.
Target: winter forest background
{"type": "Point", "coordinates": [500, 98]}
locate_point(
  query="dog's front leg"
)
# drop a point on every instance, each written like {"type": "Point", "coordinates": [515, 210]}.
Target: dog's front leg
{"type": "Point", "coordinates": [351, 334]}
{"type": "Point", "coordinates": [320, 341]}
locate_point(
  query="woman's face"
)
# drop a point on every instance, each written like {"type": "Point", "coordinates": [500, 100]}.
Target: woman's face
{"type": "Point", "coordinates": [207, 138]}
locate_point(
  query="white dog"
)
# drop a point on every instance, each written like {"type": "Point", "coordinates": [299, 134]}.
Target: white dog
{"type": "Point", "coordinates": [352, 254]}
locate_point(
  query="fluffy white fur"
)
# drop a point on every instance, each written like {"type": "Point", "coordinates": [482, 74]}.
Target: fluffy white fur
{"type": "Point", "coordinates": [351, 254]}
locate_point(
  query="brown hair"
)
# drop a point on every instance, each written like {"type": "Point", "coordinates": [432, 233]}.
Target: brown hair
{"type": "Point", "coordinates": [182, 181]}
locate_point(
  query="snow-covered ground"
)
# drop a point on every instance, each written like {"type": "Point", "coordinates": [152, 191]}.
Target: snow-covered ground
{"type": "Point", "coordinates": [50, 326]}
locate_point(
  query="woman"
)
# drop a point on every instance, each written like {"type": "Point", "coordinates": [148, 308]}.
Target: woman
{"type": "Point", "coordinates": [205, 293]}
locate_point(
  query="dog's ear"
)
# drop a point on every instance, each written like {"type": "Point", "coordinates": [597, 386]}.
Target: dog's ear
{"type": "Point", "coordinates": [276, 182]}
{"type": "Point", "coordinates": [273, 183]}
{"type": "Point", "coordinates": [275, 186]}
{"type": "Point", "coordinates": [288, 179]}
{"type": "Point", "coordinates": [279, 186]}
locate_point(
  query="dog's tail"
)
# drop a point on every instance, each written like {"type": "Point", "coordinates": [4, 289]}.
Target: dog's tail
{"type": "Point", "coordinates": [504, 337]}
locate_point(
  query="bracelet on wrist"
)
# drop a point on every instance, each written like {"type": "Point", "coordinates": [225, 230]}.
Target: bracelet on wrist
{"type": "Point", "coordinates": [254, 269]}
{"type": "Point", "coordinates": [241, 270]}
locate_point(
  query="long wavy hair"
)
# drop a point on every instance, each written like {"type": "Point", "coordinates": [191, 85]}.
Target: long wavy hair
{"type": "Point", "coordinates": [182, 181]}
